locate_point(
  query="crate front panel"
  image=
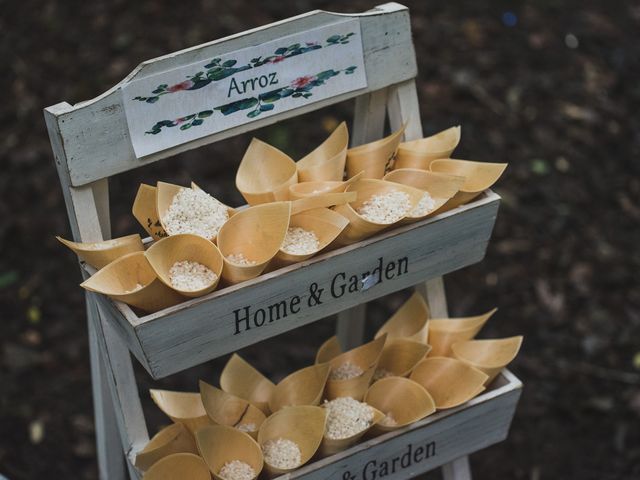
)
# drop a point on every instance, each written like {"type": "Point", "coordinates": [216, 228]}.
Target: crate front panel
{"type": "Point", "coordinates": [425, 445]}
{"type": "Point", "coordinates": [232, 318]}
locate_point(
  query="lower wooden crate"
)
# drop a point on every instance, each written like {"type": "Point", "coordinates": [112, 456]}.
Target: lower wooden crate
{"type": "Point", "coordinates": [226, 320]}
{"type": "Point", "coordinates": [428, 444]}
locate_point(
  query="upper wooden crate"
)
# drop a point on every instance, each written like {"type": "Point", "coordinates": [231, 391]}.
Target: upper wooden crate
{"type": "Point", "coordinates": [207, 327]}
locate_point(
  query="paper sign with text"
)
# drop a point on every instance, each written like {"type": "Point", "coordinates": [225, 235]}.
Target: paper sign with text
{"type": "Point", "coordinates": [197, 100]}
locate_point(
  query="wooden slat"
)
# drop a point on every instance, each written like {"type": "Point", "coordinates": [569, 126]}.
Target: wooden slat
{"type": "Point", "coordinates": [368, 125]}
{"type": "Point", "coordinates": [449, 434]}
{"type": "Point", "coordinates": [95, 135]}
{"type": "Point", "coordinates": [201, 329]}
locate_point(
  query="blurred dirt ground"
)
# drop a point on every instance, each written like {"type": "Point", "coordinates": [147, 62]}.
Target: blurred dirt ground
{"type": "Point", "coordinates": [552, 87]}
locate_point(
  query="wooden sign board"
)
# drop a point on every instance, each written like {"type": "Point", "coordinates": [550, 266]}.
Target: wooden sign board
{"type": "Point", "coordinates": [200, 99]}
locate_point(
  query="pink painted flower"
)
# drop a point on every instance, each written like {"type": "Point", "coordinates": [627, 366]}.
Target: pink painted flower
{"type": "Point", "coordinates": [302, 82]}
{"type": "Point", "coordinates": [278, 59]}
{"type": "Point", "coordinates": [180, 86]}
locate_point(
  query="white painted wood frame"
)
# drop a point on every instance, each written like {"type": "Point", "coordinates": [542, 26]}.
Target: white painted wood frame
{"type": "Point", "coordinates": [91, 142]}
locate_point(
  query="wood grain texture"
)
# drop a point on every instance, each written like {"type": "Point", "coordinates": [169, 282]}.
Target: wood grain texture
{"type": "Point", "coordinates": [94, 134]}
{"type": "Point", "coordinates": [203, 328]}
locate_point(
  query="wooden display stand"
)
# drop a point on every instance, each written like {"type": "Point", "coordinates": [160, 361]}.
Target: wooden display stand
{"type": "Point", "coordinates": [92, 141]}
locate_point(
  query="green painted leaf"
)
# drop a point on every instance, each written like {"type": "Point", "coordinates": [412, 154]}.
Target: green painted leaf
{"type": "Point", "coordinates": [197, 122]}
{"type": "Point", "coordinates": [281, 51]}
{"type": "Point", "coordinates": [185, 126]}
{"type": "Point", "coordinates": [253, 113]}
{"type": "Point", "coordinates": [268, 106]}
{"type": "Point", "coordinates": [333, 38]}
{"type": "Point", "coordinates": [205, 113]}
{"type": "Point", "coordinates": [229, 63]}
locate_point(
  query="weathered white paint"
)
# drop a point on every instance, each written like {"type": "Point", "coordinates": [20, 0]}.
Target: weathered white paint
{"type": "Point", "coordinates": [481, 422]}
{"type": "Point", "coordinates": [262, 89]}
{"type": "Point", "coordinates": [203, 328]}
{"type": "Point", "coordinates": [94, 135]}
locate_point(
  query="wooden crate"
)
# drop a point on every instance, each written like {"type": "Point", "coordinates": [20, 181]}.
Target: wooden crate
{"type": "Point", "coordinates": [96, 139]}
{"type": "Point", "coordinates": [207, 327]}
{"type": "Point", "coordinates": [427, 444]}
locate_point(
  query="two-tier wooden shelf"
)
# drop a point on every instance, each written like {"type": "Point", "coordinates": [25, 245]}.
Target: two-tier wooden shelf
{"type": "Point", "coordinates": [93, 140]}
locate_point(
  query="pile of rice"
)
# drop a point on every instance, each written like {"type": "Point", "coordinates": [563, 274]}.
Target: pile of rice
{"type": "Point", "coordinates": [237, 470]}
{"type": "Point", "coordinates": [345, 371]}
{"type": "Point", "coordinates": [191, 276]}
{"type": "Point", "coordinates": [382, 373]}
{"type": "Point", "coordinates": [137, 287]}
{"type": "Point", "coordinates": [240, 259]}
{"type": "Point", "coordinates": [347, 417]}
{"type": "Point", "coordinates": [386, 208]}
{"type": "Point", "coordinates": [299, 241]}
{"type": "Point", "coordinates": [246, 427]}
{"type": "Point", "coordinates": [196, 212]}
{"type": "Point", "coordinates": [388, 420]}
{"type": "Point", "coordinates": [424, 206]}
{"type": "Point", "coordinates": [282, 453]}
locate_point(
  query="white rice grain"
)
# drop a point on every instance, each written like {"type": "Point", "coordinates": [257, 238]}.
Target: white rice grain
{"type": "Point", "coordinates": [346, 371]}
{"type": "Point", "coordinates": [237, 470]}
{"type": "Point", "coordinates": [382, 373]}
{"type": "Point", "coordinates": [347, 417]}
{"type": "Point", "coordinates": [246, 427]}
{"type": "Point", "coordinates": [196, 212]}
{"type": "Point", "coordinates": [191, 276]}
{"type": "Point", "coordinates": [388, 420]}
{"type": "Point", "coordinates": [240, 259]}
{"type": "Point", "coordinates": [282, 453]}
{"type": "Point", "coordinates": [299, 241]}
{"type": "Point", "coordinates": [386, 208]}
{"type": "Point", "coordinates": [424, 206]}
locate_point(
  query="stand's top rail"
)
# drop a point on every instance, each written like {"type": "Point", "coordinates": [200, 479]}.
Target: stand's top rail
{"type": "Point", "coordinates": [98, 138]}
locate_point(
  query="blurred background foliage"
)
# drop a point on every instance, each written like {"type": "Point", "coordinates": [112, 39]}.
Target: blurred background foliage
{"type": "Point", "coordinates": [552, 87]}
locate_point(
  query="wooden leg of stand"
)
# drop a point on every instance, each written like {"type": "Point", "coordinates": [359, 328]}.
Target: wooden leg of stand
{"type": "Point", "coordinates": [111, 459]}
{"type": "Point", "coordinates": [433, 290]}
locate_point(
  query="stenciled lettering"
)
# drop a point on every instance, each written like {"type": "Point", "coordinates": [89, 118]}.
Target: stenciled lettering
{"type": "Point", "coordinates": [341, 284]}
{"type": "Point", "coordinates": [378, 469]}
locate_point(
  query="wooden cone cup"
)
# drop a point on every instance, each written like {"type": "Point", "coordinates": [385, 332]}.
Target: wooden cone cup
{"type": "Point", "coordinates": [489, 356]}
{"type": "Point", "coordinates": [165, 194]}
{"type": "Point", "coordinates": [257, 233]}
{"type": "Point", "coordinates": [449, 381]}
{"type": "Point", "coordinates": [265, 174]}
{"type": "Point", "coordinates": [366, 357]}
{"type": "Point", "coordinates": [327, 161]}
{"type": "Point", "coordinates": [303, 425]}
{"type": "Point", "coordinates": [226, 409]}
{"type": "Point", "coordinates": [322, 200]}
{"type": "Point", "coordinates": [242, 380]}
{"type": "Point", "coordinates": [303, 387]}
{"type": "Point", "coordinates": [219, 444]}
{"type": "Point", "coordinates": [374, 158]}
{"type": "Point", "coordinates": [359, 228]}
{"type": "Point", "coordinates": [328, 350]}
{"type": "Point", "coordinates": [441, 186]}
{"type": "Point", "coordinates": [478, 177]}
{"type": "Point", "coordinates": [325, 223]}
{"type": "Point", "coordinates": [145, 210]}
{"type": "Point", "coordinates": [410, 321]}
{"type": "Point", "coordinates": [444, 332]}
{"type": "Point", "coordinates": [179, 466]}
{"type": "Point", "coordinates": [100, 254]}
{"type": "Point", "coordinates": [182, 407]}
{"type": "Point", "coordinates": [330, 446]}
{"type": "Point", "coordinates": [400, 355]}
{"type": "Point", "coordinates": [407, 402]}
{"type": "Point", "coordinates": [172, 439]}
{"type": "Point", "coordinates": [119, 281]}
{"type": "Point", "coordinates": [420, 153]}
{"type": "Point", "coordinates": [312, 189]}
{"type": "Point", "coordinates": [163, 254]}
